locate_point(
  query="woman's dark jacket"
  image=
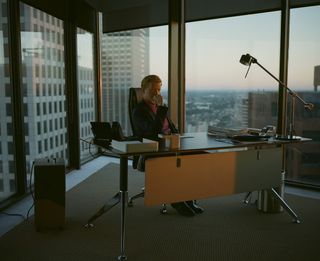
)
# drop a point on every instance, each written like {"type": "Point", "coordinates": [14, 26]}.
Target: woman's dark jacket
{"type": "Point", "coordinates": [148, 125]}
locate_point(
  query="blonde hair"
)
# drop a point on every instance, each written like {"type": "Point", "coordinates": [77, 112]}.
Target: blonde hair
{"type": "Point", "coordinates": [145, 83]}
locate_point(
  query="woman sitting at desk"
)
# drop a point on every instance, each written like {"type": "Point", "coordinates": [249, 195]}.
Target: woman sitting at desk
{"type": "Point", "coordinates": [150, 119]}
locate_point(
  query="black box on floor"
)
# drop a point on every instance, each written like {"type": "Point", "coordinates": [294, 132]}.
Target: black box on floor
{"type": "Point", "coordinates": [49, 193]}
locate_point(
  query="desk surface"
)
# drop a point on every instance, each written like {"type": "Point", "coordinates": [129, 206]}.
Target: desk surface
{"type": "Point", "coordinates": [202, 141]}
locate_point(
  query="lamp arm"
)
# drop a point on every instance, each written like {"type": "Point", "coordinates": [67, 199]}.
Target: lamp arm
{"type": "Point", "coordinates": [307, 105]}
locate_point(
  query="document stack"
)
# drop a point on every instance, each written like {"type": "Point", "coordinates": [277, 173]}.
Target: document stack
{"type": "Point", "coordinates": [135, 146]}
{"type": "Point", "coordinates": [224, 132]}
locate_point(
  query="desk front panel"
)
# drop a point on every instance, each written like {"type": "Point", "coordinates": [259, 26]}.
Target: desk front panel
{"type": "Point", "coordinates": [179, 178]}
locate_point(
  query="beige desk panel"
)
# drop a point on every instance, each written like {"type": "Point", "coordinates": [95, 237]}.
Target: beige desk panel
{"type": "Point", "coordinates": [180, 178]}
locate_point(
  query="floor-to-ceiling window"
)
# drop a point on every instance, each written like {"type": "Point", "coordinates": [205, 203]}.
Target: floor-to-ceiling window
{"type": "Point", "coordinates": [158, 56]}
{"type": "Point", "coordinates": [40, 57]}
{"type": "Point", "coordinates": [7, 167]}
{"type": "Point", "coordinates": [217, 92]}
{"type": "Point", "coordinates": [43, 83]}
{"type": "Point", "coordinates": [127, 57]}
{"type": "Point", "coordinates": [303, 161]}
{"type": "Point", "coordinates": [86, 90]}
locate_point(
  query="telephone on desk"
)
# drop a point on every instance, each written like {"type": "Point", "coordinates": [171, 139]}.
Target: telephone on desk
{"type": "Point", "coordinates": [105, 132]}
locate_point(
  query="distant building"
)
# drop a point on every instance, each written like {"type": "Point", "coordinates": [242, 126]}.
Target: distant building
{"type": "Point", "coordinates": [316, 81]}
{"type": "Point", "coordinates": [44, 95]}
{"type": "Point", "coordinates": [125, 61]}
{"type": "Point", "coordinates": [43, 88]}
{"type": "Point", "coordinates": [262, 109]}
{"type": "Point", "coordinates": [306, 156]}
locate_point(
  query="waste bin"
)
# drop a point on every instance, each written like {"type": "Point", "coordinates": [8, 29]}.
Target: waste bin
{"type": "Point", "coordinates": [49, 194]}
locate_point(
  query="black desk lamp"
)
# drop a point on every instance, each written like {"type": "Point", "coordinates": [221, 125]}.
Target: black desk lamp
{"type": "Point", "coordinates": [247, 60]}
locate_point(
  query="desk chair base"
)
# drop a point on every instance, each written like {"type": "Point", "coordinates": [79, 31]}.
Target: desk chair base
{"type": "Point", "coordinates": [110, 204]}
{"type": "Point", "coordinates": [247, 198]}
{"type": "Point", "coordinates": [120, 258]}
{"type": "Point", "coordinates": [140, 195]}
{"type": "Point", "coordinates": [163, 209]}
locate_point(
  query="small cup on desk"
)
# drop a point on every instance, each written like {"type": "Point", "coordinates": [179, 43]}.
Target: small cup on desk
{"type": "Point", "coordinates": [175, 141]}
{"type": "Point", "coordinates": [171, 141]}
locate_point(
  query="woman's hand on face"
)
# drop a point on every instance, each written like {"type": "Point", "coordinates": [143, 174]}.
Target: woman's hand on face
{"type": "Point", "coordinates": [158, 100]}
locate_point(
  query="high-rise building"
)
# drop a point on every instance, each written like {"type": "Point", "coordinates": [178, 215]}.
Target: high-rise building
{"type": "Point", "coordinates": [305, 156]}
{"type": "Point", "coordinates": [125, 61]}
{"type": "Point", "coordinates": [44, 95]}
{"type": "Point", "coordinates": [316, 81]}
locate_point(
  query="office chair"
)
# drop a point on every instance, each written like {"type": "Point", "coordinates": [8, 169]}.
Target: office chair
{"type": "Point", "coordinates": [135, 96]}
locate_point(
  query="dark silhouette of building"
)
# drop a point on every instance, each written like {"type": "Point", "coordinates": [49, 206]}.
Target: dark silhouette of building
{"type": "Point", "coordinates": [302, 160]}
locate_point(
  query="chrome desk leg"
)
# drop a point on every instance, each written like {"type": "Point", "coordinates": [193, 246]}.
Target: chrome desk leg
{"type": "Point", "coordinates": [286, 206]}
{"type": "Point", "coordinates": [123, 200]}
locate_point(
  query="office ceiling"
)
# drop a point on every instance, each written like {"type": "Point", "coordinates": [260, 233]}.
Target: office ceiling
{"type": "Point", "coordinates": [130, 14]}
{"type": "Point", "coordinates": [104, 5]}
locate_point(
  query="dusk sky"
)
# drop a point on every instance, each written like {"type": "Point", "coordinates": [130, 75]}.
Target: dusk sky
{"type": "Point", "coordinates": [214, 47]}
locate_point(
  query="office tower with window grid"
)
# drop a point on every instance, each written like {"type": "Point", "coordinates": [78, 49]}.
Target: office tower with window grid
{"type": "Point", "coordinates": [125, 61]}
{"type": "Point", "coordinates": [43, 93]}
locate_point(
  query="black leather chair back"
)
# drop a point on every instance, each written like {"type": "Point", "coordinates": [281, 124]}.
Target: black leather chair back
{"type": "Point", "coordinates": [135, 96]}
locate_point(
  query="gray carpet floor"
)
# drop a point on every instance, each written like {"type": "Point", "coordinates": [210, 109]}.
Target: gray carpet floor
{"type": "Point", "coordinates": [228, 230]}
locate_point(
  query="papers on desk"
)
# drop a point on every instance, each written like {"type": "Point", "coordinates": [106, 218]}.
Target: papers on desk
{"type": "Point", "coordinates": [249, 134]}
{"type": "Point", "coordinates": [135, 146]}
{"type": "Point", "coordinates": [224, 132]}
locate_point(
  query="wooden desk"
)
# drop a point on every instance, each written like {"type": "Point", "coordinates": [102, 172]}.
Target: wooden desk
{"type": "Point", "coordinates": [202, 167]}
{"type": "Point", "coordinates": [225, 172]}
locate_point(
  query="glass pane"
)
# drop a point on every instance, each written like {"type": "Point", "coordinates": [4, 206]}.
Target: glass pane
{"type": "Point", "coordinates": [86, 90]}
{"type": "Point", "coordinates": [303, 161]}
{"type": "Point", "coordinates": [7, 170]}
{"type": "Point", "coordinates": [217, 92]}
{"type": "Point", "coordinates": [126, 58]}
{"type": "Point", "coordinates": [158, 56]}
{"type": "Point", "coordinates": [43, 83]}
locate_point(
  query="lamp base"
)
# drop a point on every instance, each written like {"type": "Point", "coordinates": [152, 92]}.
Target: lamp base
{"type": "Point", "coordinates": [288, 138]}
